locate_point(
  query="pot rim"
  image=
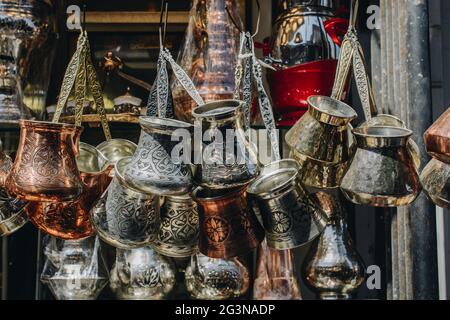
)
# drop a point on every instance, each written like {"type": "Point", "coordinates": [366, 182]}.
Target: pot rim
{"type": "Point", "coordinates": [222, 196]}
{"type": "Point", "coordinates": [92, 149]}
{"type": "Point", "coordinates": [382, 136]}
{"type": "Point", "coordinates": [48, 125]}
{"type": "Point", "coordinates": [205, 111]}
{"type": "Point", "coordinates": [340, 115]}
{"type": "Point", "coordinates": [163, 124]}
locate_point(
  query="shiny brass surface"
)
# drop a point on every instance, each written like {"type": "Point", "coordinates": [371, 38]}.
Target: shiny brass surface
{"type": "Point", "coordinates": [45, 168]}
{"type": "Point", "coordinates": [382, 173]}
{"type": "Point", "coordinates": [12, 215]}
{"type": "Point", "coordinates": [436, 182]}
{"type": "Point", "coordinates": [227, 227]}
{"type": "Point", "coordinates": [437, 138]}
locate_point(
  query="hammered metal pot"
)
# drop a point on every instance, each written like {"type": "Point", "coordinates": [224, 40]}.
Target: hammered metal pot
{"type": "Point", "coordinates": [178, 235]}
{"type": "Point", "coordinates": [216, 279]}
{"type": "Point", "coordinates": [45, 168]}
{"type": "Point", "coordinates": [437, 138]}
{"type": "Point", "coordinates": [228, 228]}
{"type": "Point", "coordinates": [289, 217]}
{"type": "Point", "coordinates": [382, 173]}
{"type": "Point", "coordinates": [123, 217]}
{"type": "Point", "coordinates": [436, 182]}
{"type": "Point", "coordinates": [222, 167]}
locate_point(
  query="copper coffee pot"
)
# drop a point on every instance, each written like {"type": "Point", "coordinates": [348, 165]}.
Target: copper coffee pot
{"type": "Point", "coordinates": [437, 138]}
{"type": "Point", "coordinates": [45, 168]}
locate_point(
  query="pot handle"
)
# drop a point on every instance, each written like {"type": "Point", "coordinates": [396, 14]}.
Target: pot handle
{"type": "Point", "coordinates": [336, 29]}
{"type": "Point", "coordinates": [76, 140]}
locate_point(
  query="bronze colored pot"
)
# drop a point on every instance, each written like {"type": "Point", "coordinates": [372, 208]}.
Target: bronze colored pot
{"type": "Point", "coordinates": [437, 138]}
{"type": "Point", "coordinates": [227, 227]}
{"type": "Point", "coordinates": [45, 168]}
{"type": "Point", "coordinates": [436, 182]}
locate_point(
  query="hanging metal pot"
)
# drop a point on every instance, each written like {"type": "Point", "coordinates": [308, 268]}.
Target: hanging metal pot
{"type": "Point", "coordinates": [288, 215]}
{"type": "Point", "coordinates": [227, 227]}
{"type": "Point", "coordinates": [222, 167]}
{"type": "Point", "coordinates": [45, 168]}
{"type": "Point", "coordinates": [435, 179]}
{"type": "Point", "coordinates": [123, 217]}
{"type": "Point", "coordinates": [152, 169]}
{"type": "Point", "coordinates": [117, 149]}
{"type": "Point", "coordinates": [382, 173]}
{"type": "Point", "coordinates": [437, 138]}
{"type": "Point", "coordinates": [141, 274]}
{"type": "Point", "coordinates": [178, 235]}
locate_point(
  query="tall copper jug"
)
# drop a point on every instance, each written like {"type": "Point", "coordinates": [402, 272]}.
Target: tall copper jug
{"type": "Point", "coordinates": [437, 138]}
{"type": "Point", "coordinates": [45, 168]}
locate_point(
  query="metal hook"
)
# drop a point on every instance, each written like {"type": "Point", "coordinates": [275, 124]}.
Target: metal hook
{"type": "Point", "coordinates": [354, 12]}
{"type": "Point", "coordinates": [163, 19]}
{"type": "Point", "coordinates": [83, 20]}
{"type": "Point", "coordinates": [259, 18]}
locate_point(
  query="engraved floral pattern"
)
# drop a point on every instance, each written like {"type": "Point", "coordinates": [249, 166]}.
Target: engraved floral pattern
{"type": "Point", "coordinates": [217, 229]}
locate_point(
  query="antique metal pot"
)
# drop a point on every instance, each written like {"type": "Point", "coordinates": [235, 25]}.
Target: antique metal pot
{"type": "Point", "coordinates": [152, 168]}
{"type": "Point", "coordinates": [222, 167]}
{"type": "Point", "coordinates": [382, 173]}
{"type": "Point", "coordinates": [437, 138]}
{"type": "Point", "coordinates": [289, 217]}
{"type": "Point", "coordinates": [178, 235]}
{"type": "Point", "coordinates": [70, 220]}
{"type": "Point", "coordinates": [435, 179]}
{"type": "Point", "coordinates": [117, 149]}
{"type": "Point", "coordinates": [45, 168]}
{"type": "Point", "coordinates": [141, 274]}
{"type": "Point", "coordinates": [216, 279]}
{"type": "Point", "coordinates": [125, 218]}
{"type": "Point", "coordinates": [228, 228]}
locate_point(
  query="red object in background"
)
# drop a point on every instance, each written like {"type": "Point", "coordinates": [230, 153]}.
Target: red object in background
{"type": "Point", "coordinates": [291, 87]}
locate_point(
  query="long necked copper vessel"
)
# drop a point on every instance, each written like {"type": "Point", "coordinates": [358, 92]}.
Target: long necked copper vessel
{"type": "Point", "coordinates": [437, 138]}
{"type": "Point", "coordinates": [45, 168]}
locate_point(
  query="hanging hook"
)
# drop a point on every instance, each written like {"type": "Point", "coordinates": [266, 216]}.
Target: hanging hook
{"type": "Point", "coordinates": [354, 12]}
{"type": "Point", "coordinates": [163, 19]}
{"type": "Point", "coordinates": [259, 18]}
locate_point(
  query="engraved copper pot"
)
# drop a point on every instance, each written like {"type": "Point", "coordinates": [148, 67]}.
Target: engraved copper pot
{"type": "Point", "coordinates": [45, 168]}
{"type": "Point", "coordinates": [436, 182]}
{"type": "Point", "coordinates": [125, 218]}
{"type": "Point", "coordinates": [382, 173]}
{"type": "Point", "coordinates": [228, 228]}
{"type": "Point", "coordinates": [178, 235]}
{"type": "Point", "coordinates": [216, 279]}
{"type": "Point", "coordinates": [70, 220]}
{"type": "Point", "coordinates": [289, 216]}
{"type": "Point", "coordinates": [222, 167]}
{"type": "Point", "coordinates": [152, 168]}
{"type": "Point", "coordinates": [321, 143]}
{"type": "Point", "coordinates": [437, 138]}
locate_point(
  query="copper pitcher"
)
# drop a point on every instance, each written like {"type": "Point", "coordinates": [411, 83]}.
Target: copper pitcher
{"type": "Point", "coordinates": [437, 138]}
{"type": "Point", "coordinates": [70, 220]}
{"type": "Point", "coordinates": [227, 227]}
{"type": "Point", "coordinates": [45, 168]}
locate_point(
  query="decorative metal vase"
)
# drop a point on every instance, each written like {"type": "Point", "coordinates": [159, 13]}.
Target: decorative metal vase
{"type": "Point", "coordinates": [152, 168]}
{"type": "Point", "coordinates": [178, 234]}
{"type": "Point", "coordinates": [222, 167]}
{"type": "Point", "coordinates": [436, 182]}
{"type": "Point", "coordinates": [228, 228]}
{"type": "Point", "coordinates": [117, 149]}
{"type": "Point", "coordinates": [70, 220]}
{"type": "Point", "coordinates": [216, 279]}
{"type": "Point", "coordinates": [208, 55]}
{"type": "Point", "coordinates": [28, 38]}
{"type": "Point", "coordinates": [125, 218]}
{"type": "Point", "coordinates": [437, 138]}
{"type": "Point", "coordinates": [289, 217]}
{"type": "Point", "coordinates": [141, 274]}
{"type": "Point", "coordinates": [382, 173]}
{"type": "Point", "coordinates": [45, 168]}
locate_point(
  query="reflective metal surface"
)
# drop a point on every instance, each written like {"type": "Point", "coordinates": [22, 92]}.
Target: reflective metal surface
{"type": "Point", "coordinates": [117, 149]}
{"type": "Point", "coordinates": [228, 228]}
{"type": "Point", "coordinates": [152, 168]}
{"type": "Point", "coordinates": [6, 164]}
{"type": "Point", "coordinates": [141, 274]}
{"type": "Point", "coordinates": [216, 279]}
{"type": "Point", "coordinates": [437, 138]}
{"type": "Point", "coordinates": [178, 234]}
{"type": "Point", "coordinates": [127, 104]}
{"type": "Point", "coordinates": [382, 173]}
{"type": "Point", "coordinates": [12, 214]}
{"type": "Point", "coordinates": [435, 179]}
{"type": "Point", "coordinates": [223, 167]}
{"type": "Point", "coordinates": [45, 168]}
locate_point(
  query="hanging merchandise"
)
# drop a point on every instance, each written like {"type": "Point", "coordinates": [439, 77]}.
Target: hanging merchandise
{"type": "Point", "coordinates": [141, 274]}
{"type": "Point", "coordinates": [435, 179]}
{"type": "Point", "coordinates": [228, 228]}
{"type": "Point", "coordinates": [70, 220]}
{"type": "Point", "coordinates": [28, 38]}
{"type": "Point", "coordinates": [321, 143]}
{"type": "Point", "coordinates": [303, 49]}
{"type": "Point", "coordinates": [276, 278]}
{"type": "Point", "coordinates": [116, 149]}
{"type": "Point", "coordinates": [382, 172]}
{"type": "Point", "coordinates": [127, 104]}
{"type": "Point", "coordinates": [208, 55]}
{"type": "Point", "coordinates": [74, 270]}
{"type": "Point", "coordinates": [12, 214]}
{"type": "Point", "coordinates": [216, 279]}
{"type": "Point", "coordinates": [125, 218]}
{"type": "Point", "coordinates": [289, 217]}
{"type": "Point", "coordinates": [333, 268]}
{"type": "Point", "coordinates": [178, 234]}
{"type": "Point", "coordinates": [437, 138]}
